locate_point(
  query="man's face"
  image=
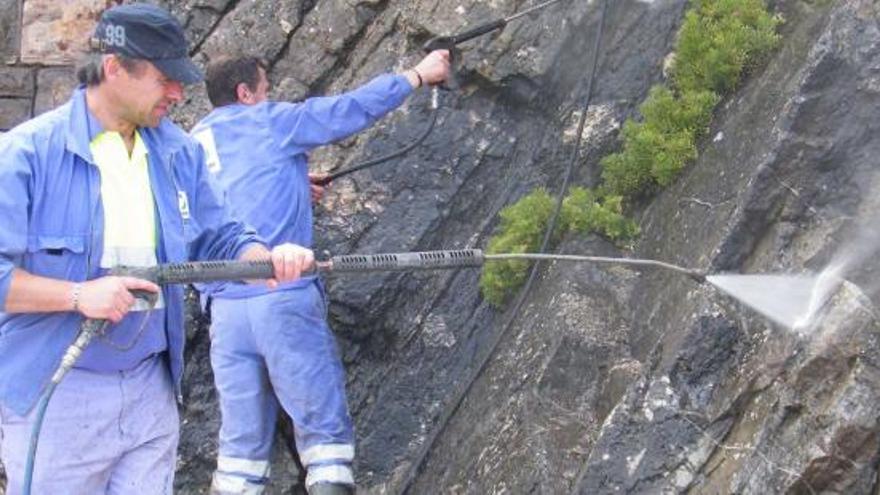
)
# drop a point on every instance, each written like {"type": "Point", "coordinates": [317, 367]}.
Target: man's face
{"type": "Point", "coordinates": [147, 95]}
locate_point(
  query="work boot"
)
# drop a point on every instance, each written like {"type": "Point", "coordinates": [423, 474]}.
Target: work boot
{"type": "Point", "coordinates": [331, 489]}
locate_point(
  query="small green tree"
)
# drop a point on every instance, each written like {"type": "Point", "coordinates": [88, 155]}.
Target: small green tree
{"type": "Point", "coordinates": [718, 40]}
{"type": "Point", "coordinates": [628, 171]}
{"type": "Point", "coordinates": [585, 211]}
{"type": "Point", "coordinates": [521, 231]}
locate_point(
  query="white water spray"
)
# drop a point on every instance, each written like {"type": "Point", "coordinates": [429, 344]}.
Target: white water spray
{"type": "Point", "coordinates": [784, 299]}
{"type": "Point", "coordinates": [796, 302]}
{"type": "Point", "coordinates": [826, 284]}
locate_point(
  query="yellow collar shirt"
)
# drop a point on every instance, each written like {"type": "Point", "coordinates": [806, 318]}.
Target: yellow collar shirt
{"type": "Point", "coordinates": [129, 239]}
{"type": "Point", "coordinates": [129, 211]}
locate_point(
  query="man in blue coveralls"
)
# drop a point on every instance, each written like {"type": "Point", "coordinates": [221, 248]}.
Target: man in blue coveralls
{"type": "Point", "coordinates": [275, 348]}
{"type": "Point", "coordinates": [104, 180]}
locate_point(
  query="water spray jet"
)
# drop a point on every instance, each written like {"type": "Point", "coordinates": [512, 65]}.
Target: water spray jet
{"type": "Point", "coordinates": [797, 302]}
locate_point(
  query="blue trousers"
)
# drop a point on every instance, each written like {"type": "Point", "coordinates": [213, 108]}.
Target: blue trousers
{"type": "Point", "coordinates": [276, 351]}
{"type": "Point", "coordinates": [103, 433]}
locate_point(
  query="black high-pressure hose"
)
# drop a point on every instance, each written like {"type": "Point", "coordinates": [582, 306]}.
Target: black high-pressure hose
{"type": "Point", "coordinates": [435, 107]}
{"type": "Point", "coordinates": [450, 42]}
{"type": "Point", "coordinates": [89, 329]}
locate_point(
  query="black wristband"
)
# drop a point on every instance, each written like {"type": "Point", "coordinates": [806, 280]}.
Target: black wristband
{"type": "Point", "coordinates": [421, 82]}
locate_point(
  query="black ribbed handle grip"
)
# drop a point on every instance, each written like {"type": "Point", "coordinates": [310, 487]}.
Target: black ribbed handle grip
{"type": "Point", "coordinates": [424, 260]}
{"type": "Point", "coordinates": [200, 271]}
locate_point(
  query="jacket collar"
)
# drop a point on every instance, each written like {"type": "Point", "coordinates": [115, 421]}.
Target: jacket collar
{"type": "Point", "coordinates": [82, 128]}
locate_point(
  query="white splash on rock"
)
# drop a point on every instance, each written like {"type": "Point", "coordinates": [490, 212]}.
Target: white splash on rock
{"type": "Point", "coordinates": [632, 463]}
{"type": "Point", "coordinates": [436, 333]}
{"type": "Point", "coordinates": [600, 120]}
{"type": "Point", "coordinates": [286, 26]}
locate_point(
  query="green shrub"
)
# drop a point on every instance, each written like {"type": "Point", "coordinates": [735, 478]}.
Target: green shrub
{"type": "Point", "coordinates": [629, 171]}
{"type": "Point", "coordinates": [656, 149]}
{"type": "Point", "coordinates": [718, 40]}
{"type": "Point", "coordinates": [521, 231]}
{"type": "Point", "coordinates": [668, 114]}
{"type": "Point", "coordinates": [584, 211]}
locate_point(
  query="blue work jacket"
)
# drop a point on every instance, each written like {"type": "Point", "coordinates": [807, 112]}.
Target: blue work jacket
{"type": "Point", "coordinates": [51, 224]}
{"type": "Point", "coordinates": [259, 154]}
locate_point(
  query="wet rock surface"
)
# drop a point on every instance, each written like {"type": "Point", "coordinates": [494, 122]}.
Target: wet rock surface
{"type": "Point", "coordinates": [731, 403]}
{"type": "Point", "coordinates": [610, 380]}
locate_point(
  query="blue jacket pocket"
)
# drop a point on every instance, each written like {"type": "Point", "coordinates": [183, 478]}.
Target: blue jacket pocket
{"type": "Point", "coordinates": [53, 256]}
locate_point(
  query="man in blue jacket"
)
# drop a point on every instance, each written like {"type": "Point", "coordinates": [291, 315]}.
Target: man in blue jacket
{"type": "Point", "coordinates": [272, 350]}
{"type": "Point", "coordinates": [105, 180]}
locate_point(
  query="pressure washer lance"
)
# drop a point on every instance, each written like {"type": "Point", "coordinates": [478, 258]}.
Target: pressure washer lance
{"type": "Point", "coordinates": [213, 271]}
{"type": "Point", "coordinates": [450, 42]}
{"type": "Point", "coordinates": [437, 43]}
{"type": "Point", "coordinates": [431, 260]}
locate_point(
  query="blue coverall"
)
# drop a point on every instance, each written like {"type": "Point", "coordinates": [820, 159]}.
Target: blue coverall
{"type": "Point", "coordinates": [275, 347]}
{"type": "Point", "coordinates": [51, 224]}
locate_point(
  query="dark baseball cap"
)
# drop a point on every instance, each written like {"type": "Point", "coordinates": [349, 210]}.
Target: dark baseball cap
{"type": "Point", "coordinates": [144, 31]}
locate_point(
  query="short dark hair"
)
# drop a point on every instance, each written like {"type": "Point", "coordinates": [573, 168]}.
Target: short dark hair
{"type": "Point", "coordinates": [90, 69]}
{"type": "Point", "coordinates": [225, 74]}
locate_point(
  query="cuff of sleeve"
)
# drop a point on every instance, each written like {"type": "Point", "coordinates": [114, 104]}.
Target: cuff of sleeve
{"type": "Point", "coordinates": [403, 87]}
{"type": "Point", "coordinates": [6, 270]}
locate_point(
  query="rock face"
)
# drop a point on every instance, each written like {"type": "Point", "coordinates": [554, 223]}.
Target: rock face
{"type": "Point", "coordinates": [610, 379]}
{"type": "Point", "coordinates": [732, 404]}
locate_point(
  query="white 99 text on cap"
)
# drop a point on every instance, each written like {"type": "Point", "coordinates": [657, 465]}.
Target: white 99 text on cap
{"type": "Point", "coordinates": [114, 35]}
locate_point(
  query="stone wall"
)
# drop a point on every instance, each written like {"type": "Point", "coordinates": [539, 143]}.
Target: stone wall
{"type": "Point", "coordinates": [40, 41]}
